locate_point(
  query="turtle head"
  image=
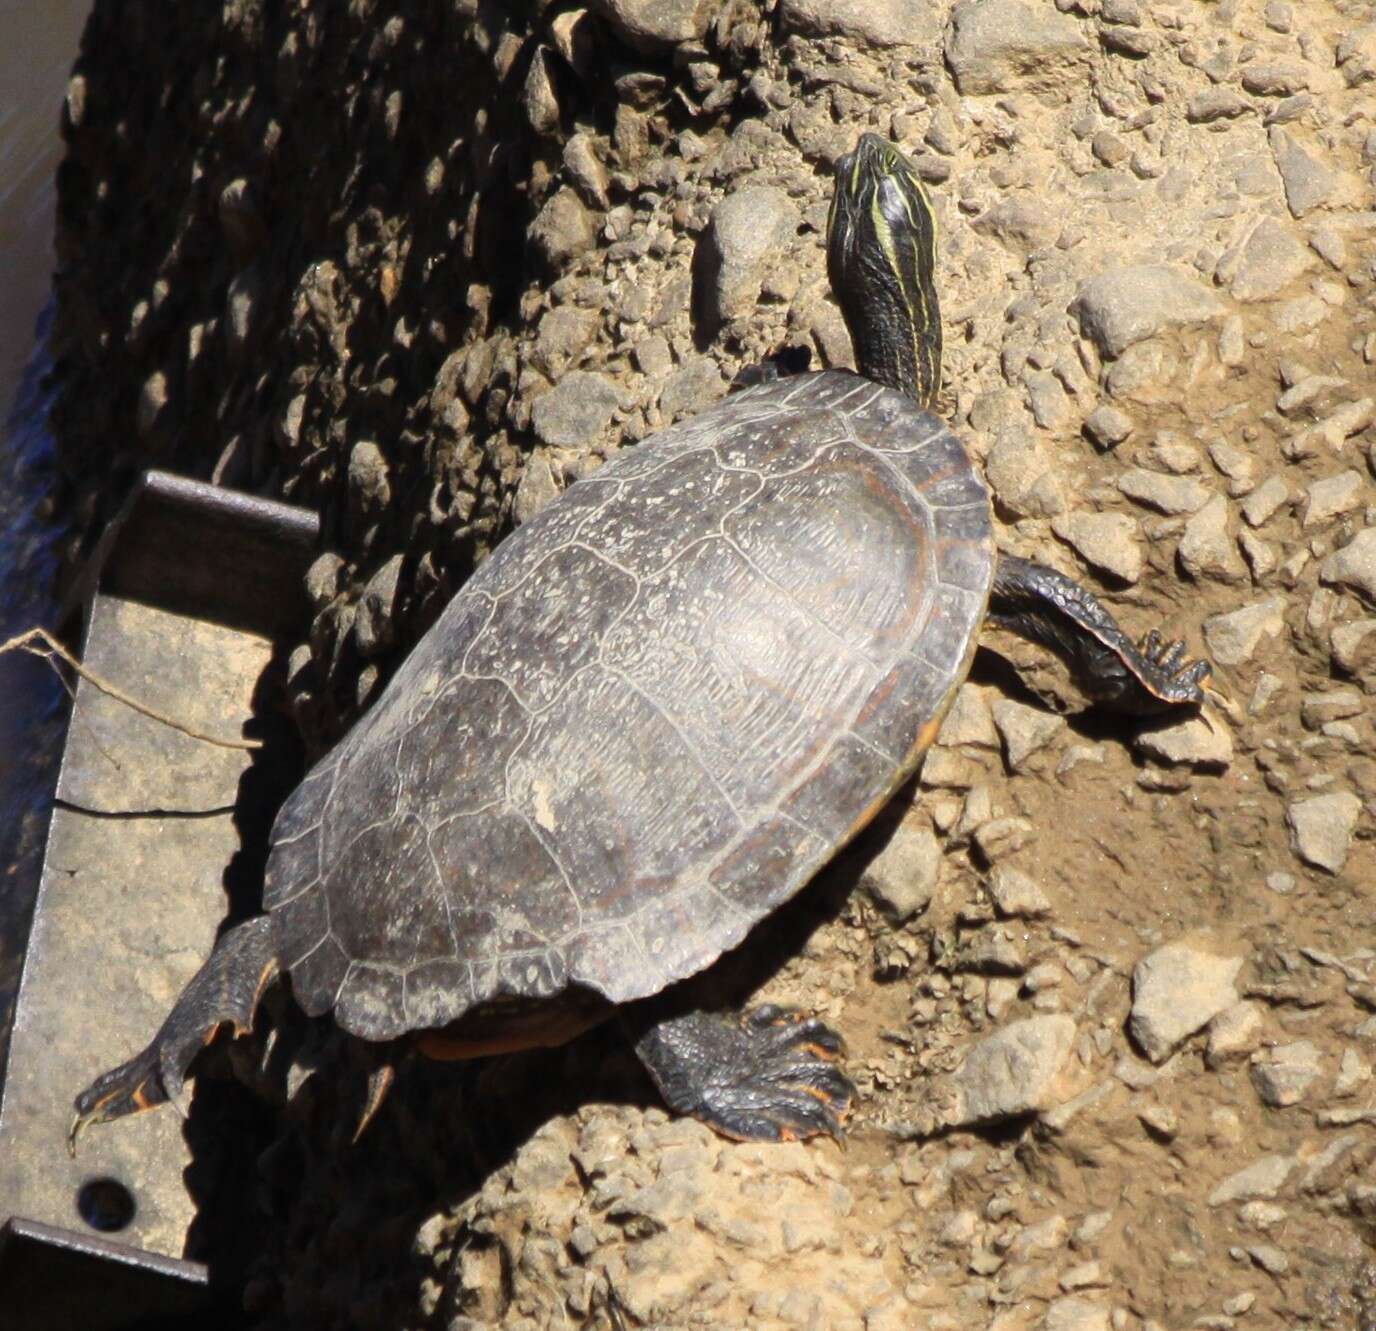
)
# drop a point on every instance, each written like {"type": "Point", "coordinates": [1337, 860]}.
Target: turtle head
{"type": "Point", "coordinates": [881, 258]}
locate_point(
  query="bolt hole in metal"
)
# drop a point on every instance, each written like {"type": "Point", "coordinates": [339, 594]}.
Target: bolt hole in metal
{"type": "Point", "coordinates": [105, 1204]}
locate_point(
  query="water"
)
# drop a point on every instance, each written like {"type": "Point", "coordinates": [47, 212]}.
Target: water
{"type": "Point", "coordinates": [38, 43]}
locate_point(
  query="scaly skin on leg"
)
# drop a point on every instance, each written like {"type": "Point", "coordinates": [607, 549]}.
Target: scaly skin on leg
{"type": "Point", "coordinates": [226, 989]}
{"type": "Point", "coordinates": [768, 1074]}
{"type": "Point", "coordinates": [1047, 607]}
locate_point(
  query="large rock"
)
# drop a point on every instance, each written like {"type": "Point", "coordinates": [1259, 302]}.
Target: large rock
{"type": "Point", "coordinates": [1176, 991]}
{"type": "Point", "coordinates": [999, 45]}
{"type": "Point", "coordinates": [752, 229]}
{"type": "Point", "coordinates": [1128, 305]}
{"type": "Point", "coordinates": [654, 26]}
{"type": "Point", "coordinates": [872, 22]}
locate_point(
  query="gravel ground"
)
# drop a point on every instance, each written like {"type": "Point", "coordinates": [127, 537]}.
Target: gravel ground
{"type": "Point", "coordinates": [1110, 995]}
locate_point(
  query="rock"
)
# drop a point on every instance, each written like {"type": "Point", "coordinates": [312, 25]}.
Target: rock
{"type": "Point", "coordinates": [1014, 894]}
{"type": "Point", "coordinates": [1020, 223]}
{"type": "Point", "coordinates": [1023, 479]}
{"type": "Point", "coordinates": [1171, 495]}
{"type": "Point", "coordinates": [1176, 991]}
{"type": "Point", "coordinates": [1283, 1074]}
{"type": "Point", "coordinates": [1189, 743]}
{"type": "Point", "coordinates": [1024, 729]}
{"type": "Point", "coordinates": [576, 410]}
{"type": "Point", "coordinates": [1353, 1074]}
{"type": "Point", "coordinates": [1236, 464]}
{"type": "Point", "coordinates": [1354, 645]}
{"type": "Point", "coordinates": [586, 170]}
{"type": "Point", "coordinates": [1261, 1179]}
{"type": "Point", "coordinates": [654, 26]}
{"type": "Point", "coordinates": [1014, 1071]}
{"type": "Point", "coordinates": [1233, 637]}
{"type": "Point", "coordinates": [1275, 78]}
{"type": "Point", "coordinates": [1269, 1258]}
{"type": "Point", "coordinates": [1216, 103]}
{"type": "Point", "coordinates": [1302, 394]}
{"type": "Point", "coordinates": [1308, 182]}
{"type": "Point", "coordinates": [323, 578]}
{"type": "Point", "coordinates": [536, 489]}
{"type": "Point", "coordinates": [969, 721]}
{"type": "Point", "coordinates": [1356, 52]}
{"type": "Point", "coordinates": [564, 332]}
{"type": "Point", "coordinates": [1047, 398]}
{"type": "Point", "coordinates": [1233, 1034]}
{"type": "Point", "coordinates": [996, 46]}
{"type": "Point", "coordinates": [1317, 709]}
{"type": "Point", "coordinates": [153, 399]}
{"type": "Point", "coordinates": [1268, 261]}
{"type": "Point", "coordinates": [374, 620]}
{"type": "Point", "coordinates": [1344, 421]}
{"type": "Point", "coordinates": [1354, 565]}
{"type": "Point", "coordinates": [902, 877]}
{"type": "Point", "coordinates": [562, 229]}
{"type": "Point", "coordinates": [1107, 541]}
{"type": "Point", "coordinates": [1128, 305]}
{"type": "Point", "coordinates": [691, 388]}
{"type": "Point", "coordinates": [1076, 1314]}
{"type": "Point", "coordinates": [1321, 828]}
{"type": "Point", "coordinates": [1206, 549]}
{"type": "Point", "coordinates": [750, 229]}
{"type": "Point", "coordinates": [1107, 427]}
{"type": "Point", "coordinates": [1261, 558]}
{"type": "Point", "coordinates": [1262, 504]}
{"type": "Point", "coordinates": [869, 22]}
{"type": "Point", "coordinates": [1002, 836]}
{"type": "Point", "coordinates": [370, 487]}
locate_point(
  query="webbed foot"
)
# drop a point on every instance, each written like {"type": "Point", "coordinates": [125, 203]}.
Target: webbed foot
{"type": "Point", "coordinates": [769, 1074]}
{"type": "Point", "coordinates": [1047, 607]}
{"type": "Point", "coordinates": [225, 991]}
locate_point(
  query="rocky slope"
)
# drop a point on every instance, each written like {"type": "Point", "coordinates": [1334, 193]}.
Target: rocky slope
{"type": "Point", "coordinates": [1109, 995]}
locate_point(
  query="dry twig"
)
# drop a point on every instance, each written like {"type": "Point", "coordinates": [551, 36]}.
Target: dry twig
{"type": "Point", "coordinates": [41, 643]}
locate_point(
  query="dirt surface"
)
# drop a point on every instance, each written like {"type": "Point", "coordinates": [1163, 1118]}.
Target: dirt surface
{"type": "Point", "coordinates": [1110, 994]}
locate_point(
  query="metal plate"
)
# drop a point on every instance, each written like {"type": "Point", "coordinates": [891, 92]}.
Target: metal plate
{"type": "Point", "coordinates": [192, 586]}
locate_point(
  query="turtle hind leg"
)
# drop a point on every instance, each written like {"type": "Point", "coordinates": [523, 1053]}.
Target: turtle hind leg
{"type": "Point", "coordinates": [768, 1074]}
{"type": "Point", "coordinates": [226, 989]}
{"type": "Point", "coordinates": [1047, 607]}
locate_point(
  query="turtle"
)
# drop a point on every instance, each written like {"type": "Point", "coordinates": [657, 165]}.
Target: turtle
{"type": "Point", "coordinates": [650, 718]}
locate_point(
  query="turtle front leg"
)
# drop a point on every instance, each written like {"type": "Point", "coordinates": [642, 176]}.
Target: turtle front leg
{"type": "Point", "coordinates": [1047, 607]}
{"type": "Point", "coordinates": [768, 1074]}
{"type": "Point", "coordinates": [226, 989]}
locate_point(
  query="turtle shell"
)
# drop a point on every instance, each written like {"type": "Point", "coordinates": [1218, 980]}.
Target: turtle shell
{"type": "Point", "coordinates": [647, 719]}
